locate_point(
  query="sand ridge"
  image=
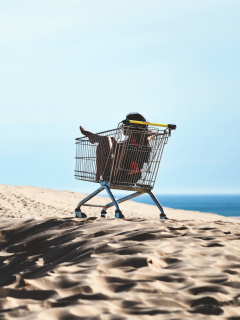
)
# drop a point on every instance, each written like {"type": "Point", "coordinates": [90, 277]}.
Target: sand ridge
{"type": "Point", "coordinates": [95, 268]}
{"type": "Point", "coordinates": [56, 266]}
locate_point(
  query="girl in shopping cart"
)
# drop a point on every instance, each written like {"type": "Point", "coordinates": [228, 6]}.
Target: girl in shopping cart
{"type": "Point", "coordinates": [130, 155]}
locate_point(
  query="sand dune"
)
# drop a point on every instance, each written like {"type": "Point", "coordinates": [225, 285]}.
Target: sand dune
{"type": "Point", "coordinates": [136, 268]}
{"type": "Point", "coordinates": [33, 202]}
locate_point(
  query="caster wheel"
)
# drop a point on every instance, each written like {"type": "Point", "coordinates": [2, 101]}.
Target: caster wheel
{"type": "Point", "coordinates": [119, 215]}
{"type": "Point", "coordinates": [163, 217]}
{"type": "Point", "coordinates": [80, 214]}
{"type": "Point", "coordinates": [104, 214]}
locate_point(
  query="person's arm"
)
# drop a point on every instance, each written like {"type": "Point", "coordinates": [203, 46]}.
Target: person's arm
{"type": "Point", "coordinates": [151, 135]}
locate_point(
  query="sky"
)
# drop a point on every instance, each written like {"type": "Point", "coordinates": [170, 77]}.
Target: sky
{"type": "Point", "coordinates": [68, 63]}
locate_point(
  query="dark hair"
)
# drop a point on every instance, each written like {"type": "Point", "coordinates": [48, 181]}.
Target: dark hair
{"type": "Point", "coordinates": [138, 131]}
{"type": "Point", "coordinates": [135, 116]}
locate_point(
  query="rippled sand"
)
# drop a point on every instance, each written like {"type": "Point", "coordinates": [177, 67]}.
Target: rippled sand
{"type": "Point", "coordinates": [136, 268]}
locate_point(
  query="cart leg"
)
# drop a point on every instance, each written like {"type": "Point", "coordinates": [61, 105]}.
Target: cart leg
{"type": "Point", "coordinates": [104, 214]}
{"type": "Point", "coordinates": [78, 211]}
{"type": "Point", "coordinates": [158, 204]}
{"type": "Point", "coordinates": [129, 197]}
{"type": "Point", "coordinates": [118, 212]}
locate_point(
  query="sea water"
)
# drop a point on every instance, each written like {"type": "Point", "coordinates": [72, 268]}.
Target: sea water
{"type": "Point", "coordinates": [225, 205]}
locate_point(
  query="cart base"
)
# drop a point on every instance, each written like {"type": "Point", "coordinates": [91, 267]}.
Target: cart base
{"type": "Point", "coordinates": [118, 213]}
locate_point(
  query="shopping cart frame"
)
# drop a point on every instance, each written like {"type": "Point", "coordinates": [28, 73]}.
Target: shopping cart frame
{"type": "Point", "coordinates": [137, 188]}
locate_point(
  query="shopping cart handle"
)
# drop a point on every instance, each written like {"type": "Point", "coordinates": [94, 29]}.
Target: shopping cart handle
{"type": "Point", "coordinates": [170, 126]}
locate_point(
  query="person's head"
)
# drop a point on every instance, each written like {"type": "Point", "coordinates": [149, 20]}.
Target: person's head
{"type": "Point", "coordinates": [134, 128]}
{"type": "Point", "coordinates": [135, 116]}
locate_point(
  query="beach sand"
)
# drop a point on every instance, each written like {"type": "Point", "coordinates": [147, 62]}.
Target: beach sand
{"type": "Point", "coordinates": [56, 266]}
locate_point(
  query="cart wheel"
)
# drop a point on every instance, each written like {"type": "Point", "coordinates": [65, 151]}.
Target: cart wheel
{"type": "Point", "coordinates": [80, 214]}
{"type": "Point", "coordinates": [119, 215]}
{"type": "Point", "coordinates": [103, 214]}
{"type": "Point", "coordinates": [163, 216]}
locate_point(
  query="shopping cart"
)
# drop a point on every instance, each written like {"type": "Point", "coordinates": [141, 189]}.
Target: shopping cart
{"type": "Point", "coordinates": [125, 158]}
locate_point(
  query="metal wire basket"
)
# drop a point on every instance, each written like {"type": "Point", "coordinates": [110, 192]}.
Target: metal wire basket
{"type": "Point", "coordinates": [125, 158]}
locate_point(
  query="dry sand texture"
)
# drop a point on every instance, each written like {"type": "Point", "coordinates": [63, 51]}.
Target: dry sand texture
{"type": "Point", "coordinates": [32, 202]}
{"type": "Point", "coordinates": [135, 268]}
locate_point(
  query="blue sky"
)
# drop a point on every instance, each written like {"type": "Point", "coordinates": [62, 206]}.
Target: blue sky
{"type": "Point", "coordinates": [90, 62]}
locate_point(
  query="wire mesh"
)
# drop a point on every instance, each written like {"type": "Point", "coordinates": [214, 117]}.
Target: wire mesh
{"type": "Point", "coordinates": [125, 156]}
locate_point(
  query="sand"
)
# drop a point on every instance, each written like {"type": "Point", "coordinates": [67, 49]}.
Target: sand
{"type": "Point", "coordinates": [56, 266]}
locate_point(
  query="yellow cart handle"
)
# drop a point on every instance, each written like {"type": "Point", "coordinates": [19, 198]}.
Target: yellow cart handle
{"type": "Point", "coordinates": [170, 126]}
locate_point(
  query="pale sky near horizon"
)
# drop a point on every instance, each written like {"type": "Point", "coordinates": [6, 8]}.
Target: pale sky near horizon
{"type": "Point", "coordinates": [90, 62]}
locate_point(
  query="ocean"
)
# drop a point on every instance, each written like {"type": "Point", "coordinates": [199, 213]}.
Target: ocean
{"type": "Point", "coordinates": [225, 205]}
